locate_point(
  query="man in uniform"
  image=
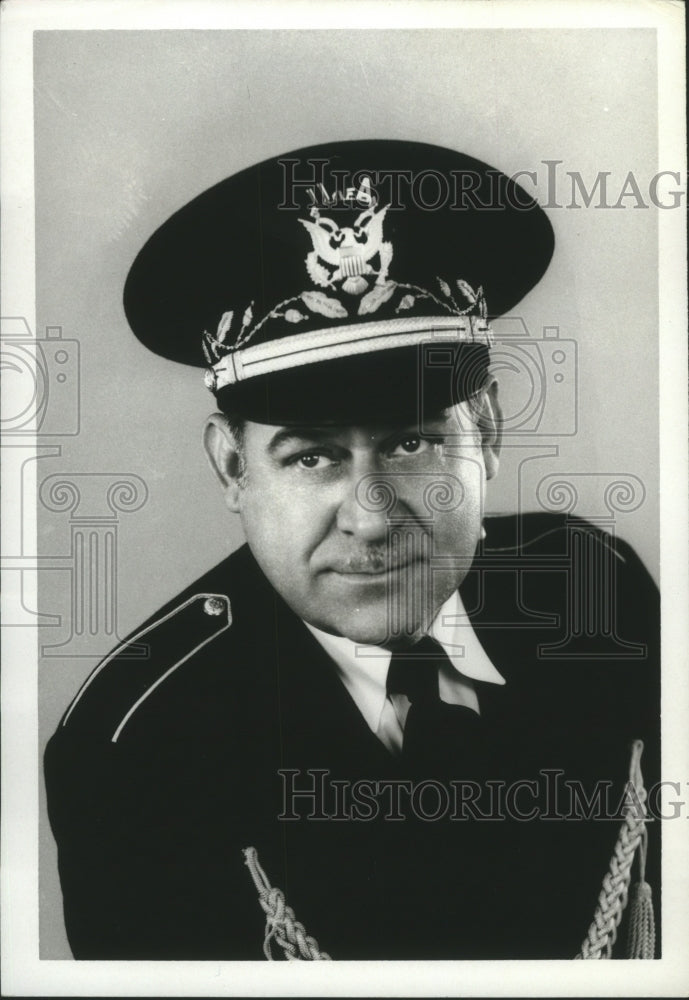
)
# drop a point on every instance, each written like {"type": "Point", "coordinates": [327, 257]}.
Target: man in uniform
{"type": "Point", "coordinates": [373, 731]}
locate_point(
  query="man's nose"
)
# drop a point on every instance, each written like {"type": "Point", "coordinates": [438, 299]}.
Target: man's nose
{"type": "Point", "coordinates": [364, 508]}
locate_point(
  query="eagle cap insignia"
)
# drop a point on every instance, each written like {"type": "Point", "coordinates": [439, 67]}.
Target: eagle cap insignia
{"type": "Point", "coordinates": [354, 256]}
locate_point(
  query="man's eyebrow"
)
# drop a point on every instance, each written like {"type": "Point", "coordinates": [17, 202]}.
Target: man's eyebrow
{"type": "Point", "coordinates": [288, 434]}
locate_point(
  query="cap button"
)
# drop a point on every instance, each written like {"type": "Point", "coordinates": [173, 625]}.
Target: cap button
{"type": "Point", "coordinates": [213, 606]}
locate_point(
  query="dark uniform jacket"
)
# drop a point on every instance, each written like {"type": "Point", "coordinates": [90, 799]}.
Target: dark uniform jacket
{"type": "Point", "coordinates": [168, 765]}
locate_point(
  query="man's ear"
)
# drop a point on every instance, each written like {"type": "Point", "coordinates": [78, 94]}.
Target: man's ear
{"type": "Point", "coordinates": [490, 426]}
{"type": "Point", "coordinates": [225, 457]}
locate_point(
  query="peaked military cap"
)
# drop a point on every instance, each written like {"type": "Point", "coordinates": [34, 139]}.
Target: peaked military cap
{"type": "Point", "coordinates": [340, 281]}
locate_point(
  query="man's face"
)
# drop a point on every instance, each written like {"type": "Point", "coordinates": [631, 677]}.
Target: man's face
{"type": "Point", "coordinates": [364, 530]}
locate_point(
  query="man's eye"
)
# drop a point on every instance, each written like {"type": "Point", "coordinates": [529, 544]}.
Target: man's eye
{"type": "Point", "coordinates": [413, 444]}
{"type": "Point", "coordinates": [312, 460]}
{"type": "Point", "coordinates": [409, 445]}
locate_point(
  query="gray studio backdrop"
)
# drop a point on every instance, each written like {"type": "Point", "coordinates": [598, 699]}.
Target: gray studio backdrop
{"type": "Point", "coordinates": [131, 125]}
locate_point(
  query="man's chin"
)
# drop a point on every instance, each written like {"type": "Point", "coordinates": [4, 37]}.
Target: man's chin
{"type": "Point", "coordinates": [377, 617]}
{"type": "Point", "coordinates": [380, 633]}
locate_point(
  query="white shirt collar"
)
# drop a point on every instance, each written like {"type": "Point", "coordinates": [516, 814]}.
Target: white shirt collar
{"type": "Point", "coordinates": [364, 669]}
{"type": "Point", "coordinates": [452, 628]}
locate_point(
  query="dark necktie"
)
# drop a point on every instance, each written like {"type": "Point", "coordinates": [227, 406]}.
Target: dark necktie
{"type": "Point", "coordinates": [439, 739]}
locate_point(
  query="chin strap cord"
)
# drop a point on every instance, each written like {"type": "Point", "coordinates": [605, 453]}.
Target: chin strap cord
{"type": "Point", "coordinates": [281, 924]}
{"type": "Point", "coordinates": [612, 900]}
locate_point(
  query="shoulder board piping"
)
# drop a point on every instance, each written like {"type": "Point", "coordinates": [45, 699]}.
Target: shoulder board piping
{"type": "Point", "coordinates": [164, 677]}
{"type": "Point", "coordinates": [140, 635]}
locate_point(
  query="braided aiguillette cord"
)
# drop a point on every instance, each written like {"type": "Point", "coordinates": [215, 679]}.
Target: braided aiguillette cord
{"type": "Point", "coordinates": [283, 927]}
{"type": "Point", "coordinates": [281, 924]}
{"type": "Point", "coordinates": [612, 900]}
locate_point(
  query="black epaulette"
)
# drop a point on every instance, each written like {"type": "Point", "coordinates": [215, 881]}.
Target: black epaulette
{"type": "Point", "coordinates": [136, 668]}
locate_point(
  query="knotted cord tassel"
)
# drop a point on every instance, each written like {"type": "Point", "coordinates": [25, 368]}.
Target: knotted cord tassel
{"type": "Point", "coordinates": [642, 932]}
{"type": "Point", "coordinates": [281, 924]}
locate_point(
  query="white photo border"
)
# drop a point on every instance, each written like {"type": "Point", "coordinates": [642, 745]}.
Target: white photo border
{"type": "Point", "coordinates": [24, 973]}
